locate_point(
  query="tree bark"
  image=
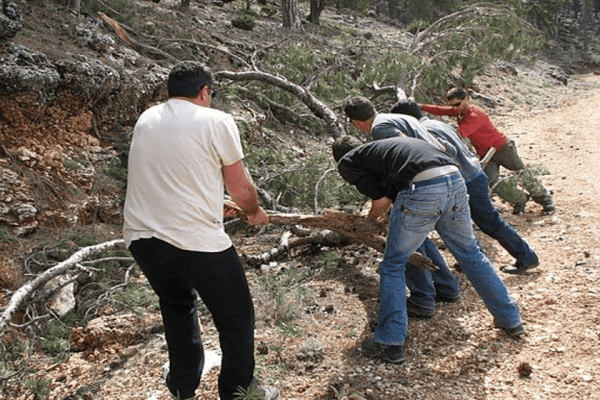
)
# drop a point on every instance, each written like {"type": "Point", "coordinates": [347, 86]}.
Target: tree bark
{"type": "Point", "coordinates": [291, 18]}
{"type": "Point", "coordinates": [316, 8]}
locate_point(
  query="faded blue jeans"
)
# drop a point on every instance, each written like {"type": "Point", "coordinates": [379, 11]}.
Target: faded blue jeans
{"type": "Point", "coordinates": [424, 285]}
{"type": "Point", "coordinates": [441, 204]}
{"type": "Point", "coordinates": [176, 275]}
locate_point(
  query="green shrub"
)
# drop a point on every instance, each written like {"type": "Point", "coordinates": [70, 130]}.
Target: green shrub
{"type": "Point", "coordinates": [40, 387]}
{"type": "Point", "coordinates": [137, 298]}
{"type": "Point", "coordinates": [246, 22]}
{"type": "Point", "coordinates": [417, 25]}
{"type": "Point", "coordinates": [55, 338]}
{"type": "Point", "coordinates": [6, 236]}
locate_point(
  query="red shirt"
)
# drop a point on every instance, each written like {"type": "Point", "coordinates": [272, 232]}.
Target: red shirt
{"type": "Point", "coordinates": [474, 125]}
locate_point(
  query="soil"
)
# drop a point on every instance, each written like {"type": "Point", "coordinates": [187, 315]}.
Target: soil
{"type": "Point", "coordinates": [457, 354]}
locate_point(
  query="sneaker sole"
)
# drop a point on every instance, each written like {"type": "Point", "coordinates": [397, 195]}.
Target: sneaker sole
{"type": "Point", "coordinates": [518, 271]}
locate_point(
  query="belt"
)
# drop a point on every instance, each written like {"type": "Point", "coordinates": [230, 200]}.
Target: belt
{"type": "Point", "coordinates": [434, 173]}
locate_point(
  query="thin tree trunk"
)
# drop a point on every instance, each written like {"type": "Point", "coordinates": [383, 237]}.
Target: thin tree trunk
{"type": "Point", "coordinates": [290, 13]}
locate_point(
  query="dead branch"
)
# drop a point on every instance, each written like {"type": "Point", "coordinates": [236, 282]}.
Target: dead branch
{"type": "Point", "coordinates": [355, 228]}
{"type": "Point", "coordinates": [215, 48]}
{"type": "Point", "coordinates": [322, 237]}
{"type": "Point", "coordinates": [122, 34]}
{"type": "Point", "coordinates": [117, 28]}
{"type": "Point", "coordinates": [265, 257]}
{"type": "Point", "coordinates": [317, 186]}
{"type": "Point", "coordinates": [314, 104]}
{"type": "Point", "coordinates": [26, 290]}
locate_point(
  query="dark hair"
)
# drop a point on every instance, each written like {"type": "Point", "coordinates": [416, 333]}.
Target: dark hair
{"type": "Point", "coordinates": [408, 107]}
{"type": "Point", "coordinates": [359, 108]}
{"type": "Point", "coordinates": [343, 145]}
{"type": "Point", "coordinates": [186, 79]}
{"type": "Point", "coordinates": [457, 93]}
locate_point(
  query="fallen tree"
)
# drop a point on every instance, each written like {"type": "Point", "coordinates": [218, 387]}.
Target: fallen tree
{"type": "Point", "coordinates": [27, 290]}
{"type": "Point", "coordinates": [354, 227]}
{"type": "Point", "coordinates": [333, 228]}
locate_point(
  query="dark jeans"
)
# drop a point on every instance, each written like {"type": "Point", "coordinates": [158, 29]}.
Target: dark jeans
{"type": "Point", "coordinates": [424, 285]}
{"type": "Point", "coordinates": [176, 275]}
{"type": "Point", "coordinates": [487, 218]}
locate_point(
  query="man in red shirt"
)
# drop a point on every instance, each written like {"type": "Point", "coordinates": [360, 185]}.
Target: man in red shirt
{"type": "Point", "coordinates": [475, 124]}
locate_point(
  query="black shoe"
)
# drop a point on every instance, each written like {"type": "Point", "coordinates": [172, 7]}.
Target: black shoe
{"type": "Point", "coordinates": [444, 299]}
{"type": "Point", "coordinates": [518, 209]}
{"type": "Point", "coordinates": [519, 269]}
{"type": "Point", "coordinates": [549, 206]}
{"type": "Point", "coordinates": [391, 354]}
{"type": "Point", "coordinates": [418, 312]}
{"type": "Point", "coordinates": [515, 332]}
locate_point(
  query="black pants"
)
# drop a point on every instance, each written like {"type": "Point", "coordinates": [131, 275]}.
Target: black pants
{"type": "Point", "coordinates": [176, 275]}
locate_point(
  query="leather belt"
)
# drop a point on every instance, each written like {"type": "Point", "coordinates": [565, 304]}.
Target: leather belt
{"type": "Point", "coordinates": [434, 173]}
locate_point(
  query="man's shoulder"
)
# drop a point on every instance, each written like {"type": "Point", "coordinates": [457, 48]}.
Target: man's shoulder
{"type": "Point", "coordinates": [477, 112]}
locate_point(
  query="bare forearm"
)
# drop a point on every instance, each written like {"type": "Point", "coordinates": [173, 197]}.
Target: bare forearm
{"type": "Point", "coordinates": [245, 196]}
{"type": "Point", "coordinates": [243, 193]}
{"type": "Point", "coordinates": [379, 206]}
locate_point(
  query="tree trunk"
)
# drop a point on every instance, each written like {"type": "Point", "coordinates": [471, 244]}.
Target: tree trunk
{"type": "Point", "coordinates": [290, 13]}
{"type": "Point", "coordinates": [75, 6]}
{"type": "Point", "coordinates": [316, 8]}
{"type": "Point", "coordinates": [393, 9]}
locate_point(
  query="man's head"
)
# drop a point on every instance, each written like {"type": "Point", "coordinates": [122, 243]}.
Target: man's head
{"type": "Point", "coordinates": [188, 78]}
{"type": "Point", "coordinates": [459, 99]}
{"type": "Point", "coordinates": [407, 107]}
{"type": "Point", "coordinates": [359, 108]}
{"type": "Point", "coordinates": [343, 145]}
{"type": "Point", "coordinates": [361, 112]}
{"type": "Point", "coordinates": [457, 93]}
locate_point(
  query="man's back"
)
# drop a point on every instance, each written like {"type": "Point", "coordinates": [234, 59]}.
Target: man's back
{"type": "Point", "coordinates": [390, 125]}
{"type": "Point", "coordinates": [468, 163]}
{"type": "Point", "coordinates": [384, 167]}
{"type": "Point", "coordinates": [175, 185]}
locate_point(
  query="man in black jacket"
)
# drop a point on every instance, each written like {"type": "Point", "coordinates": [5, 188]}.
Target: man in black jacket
{"type": "Point", "coordinates": [427, 192]}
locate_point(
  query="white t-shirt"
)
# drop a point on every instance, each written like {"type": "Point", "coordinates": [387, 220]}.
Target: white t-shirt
{"type": "Point", "coordinates": [175, 184]}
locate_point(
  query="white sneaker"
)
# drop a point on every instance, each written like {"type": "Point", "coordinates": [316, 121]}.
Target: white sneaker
{"type": "Point", "coordinates": [212, 359]}
{"type": "Point", "coordinates": [270, 393]}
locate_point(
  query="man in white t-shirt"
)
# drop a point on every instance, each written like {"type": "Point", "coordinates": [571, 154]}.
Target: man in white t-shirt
{"type": "Point", "coordinates": [183, 155]}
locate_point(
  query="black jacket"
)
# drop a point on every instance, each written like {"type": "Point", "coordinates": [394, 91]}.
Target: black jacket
{"type": "Point", "coordinates": [385, 167]}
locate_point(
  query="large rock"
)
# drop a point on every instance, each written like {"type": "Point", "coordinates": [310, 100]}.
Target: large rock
{"type": "Point", "coordinates": [10, 20]}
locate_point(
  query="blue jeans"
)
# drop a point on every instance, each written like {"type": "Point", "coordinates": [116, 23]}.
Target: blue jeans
{"type": "Point", "coordinates": [424, 285]}
{"type": "Point", "coordinates": [441, 204]}
{"type": "Point", "coordinates": [176, 275]}
{"type": "Point", "coordinates": [487, 218]}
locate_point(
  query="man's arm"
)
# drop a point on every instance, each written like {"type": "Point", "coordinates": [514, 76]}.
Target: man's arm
{"type": "Point", "coordinates": [379, 206]}
{"type": "Point", "coordinates": [439, 110]}
{"type": "Point", "coordinates": [243, 193]}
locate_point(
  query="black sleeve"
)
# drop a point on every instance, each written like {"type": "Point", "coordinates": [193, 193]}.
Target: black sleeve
{"type": "Point", "coordinates": [366, 182]}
